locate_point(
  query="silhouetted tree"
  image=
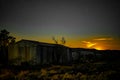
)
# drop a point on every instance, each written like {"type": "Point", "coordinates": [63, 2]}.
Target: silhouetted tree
{"type": "Point", "coordinates": [63, 40]}
{"type": "Point", "coordinates": [53, 38]}
{"type": "Point", "coordinates": [5, 41]}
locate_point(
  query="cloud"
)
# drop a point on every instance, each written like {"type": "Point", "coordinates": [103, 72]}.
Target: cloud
{"type": "Point", "coordinates": [89, 44]}
{"type": "Point", "coordinates": [103, 39]}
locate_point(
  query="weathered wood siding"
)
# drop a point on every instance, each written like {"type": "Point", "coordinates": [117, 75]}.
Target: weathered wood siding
{"type": "Point", "coordinates": [30, 51]}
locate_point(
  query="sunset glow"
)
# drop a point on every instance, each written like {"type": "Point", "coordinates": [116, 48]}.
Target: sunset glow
{"type": "Point", "coordinates": [91, 42]}
{"type": "Point", "coordinates": [59, 39]}
{"type": "Point", "coordinates": [99, 48]}
{"type": "Point", "coordinates": [83, 24]}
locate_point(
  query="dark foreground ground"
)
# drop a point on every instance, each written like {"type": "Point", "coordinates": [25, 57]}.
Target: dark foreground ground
{"type": "Point", "coordinates": [80, 71]}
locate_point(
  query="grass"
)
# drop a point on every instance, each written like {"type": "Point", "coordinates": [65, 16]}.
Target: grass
{"type": "Point", "coordinates": [84, 71]}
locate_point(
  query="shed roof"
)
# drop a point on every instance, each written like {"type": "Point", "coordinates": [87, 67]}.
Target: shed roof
{"type": "Point", "coordinates": [39, 43]}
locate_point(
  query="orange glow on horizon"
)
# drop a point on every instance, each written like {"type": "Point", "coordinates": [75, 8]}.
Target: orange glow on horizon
{"type": "Point", "coordinates": [99, 48]}
{"type": "Point", "coordinates": [97, 43]}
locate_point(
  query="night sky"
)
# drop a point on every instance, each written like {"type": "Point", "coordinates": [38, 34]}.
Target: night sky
{"type": "Point", "coordinates": [83, 23]}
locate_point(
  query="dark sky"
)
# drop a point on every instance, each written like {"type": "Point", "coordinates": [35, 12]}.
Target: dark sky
{"type": "Point", "coordinates": [71, 18]}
